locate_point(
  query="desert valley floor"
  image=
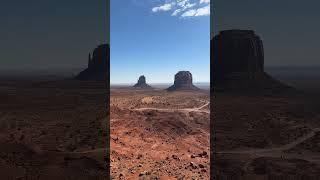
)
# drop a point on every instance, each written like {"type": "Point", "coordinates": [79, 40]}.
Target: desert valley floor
{"type": "Point", "coordinates": [59, 129]}
{"type": "Point", "coordinates": [157, 134]}
{"type": "Point", "coordinates": [53, 130]}
{"type": "Point", "coordinates": [260, 136]}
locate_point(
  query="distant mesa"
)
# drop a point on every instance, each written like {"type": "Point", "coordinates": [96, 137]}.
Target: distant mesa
{"type": "Point", "coordinates": [238, 62]}
{"type": "Point", "coordinates": [183, 81]}
{"type": "Point", "coordinates": [98, 65]}
{"type": "Point", "coordinates": [142, 83]}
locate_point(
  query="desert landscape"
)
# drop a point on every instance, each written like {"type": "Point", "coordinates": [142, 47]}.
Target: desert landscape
{"type": "Point", "coordinates": [258, 137]}
{"type": "Point", "coordinates": [53, 130]}
{"type": "Point", "coordinates": [56, 127]}
{"type": "Point", "coordinates": [262, 127]}
{"type": "Point", "coordinates": [160, 133]}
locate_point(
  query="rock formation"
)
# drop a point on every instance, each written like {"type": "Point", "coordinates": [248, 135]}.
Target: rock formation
{"type": "Point", "coordinates": [98, 65]}
{"type": "Point", "coordinates": [142, 83]}
{"type": "Point", "coordinates": [238, 62]}
{"type": "Point", "coordinates": [182, 81]}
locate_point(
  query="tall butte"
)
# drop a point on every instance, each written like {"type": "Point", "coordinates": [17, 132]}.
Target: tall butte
{"type": "Point", "coordinates": [142, 83]}
{"type": "Point", "coordinates": [238, 62]}
{"type": "Point", "coordinates": [183, 81]}
{"type": "Point", "coordinates": [98, 65]}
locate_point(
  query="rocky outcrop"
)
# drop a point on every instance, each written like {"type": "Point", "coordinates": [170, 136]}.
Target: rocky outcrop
{"type": "Point", "coordinates": [238, 62]}
{"type": "Point", "coordinates": [98, 65]}
{"type": "Point", "coordinates": [142, 83]}
{"type": "Point", "coordinates": [237, 52]}
{"type": "Point", "coordinates": [183, 81]}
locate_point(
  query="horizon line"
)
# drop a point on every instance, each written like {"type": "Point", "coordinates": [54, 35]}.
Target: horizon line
{"type": "Point", "coordinates": [156, 83]}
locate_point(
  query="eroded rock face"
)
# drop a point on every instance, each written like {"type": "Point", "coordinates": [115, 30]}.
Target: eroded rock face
{"type": "Point", "coordinates": [98, 65]}
{"type": "Point", "coordinates": [238, 61]}
{"type": "Point", "coordinates": [142, 83]}
{"type": "Point", "coordinates": [183, 81]}
{"type": "Point", "coordinates": [237, 52]}
{"type": "Point", "coordinates": [141, 80]}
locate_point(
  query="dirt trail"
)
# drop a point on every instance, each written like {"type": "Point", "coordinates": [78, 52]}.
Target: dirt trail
{"type": "Point", "coordinates": [279, 151]}
{"type": "Point", "coordinates": [196, 109]}
{"type": "Point", "coordinates": [282, 148]}
{"type": "Point", "coordinates": [99, 150]}
{"type": "Point", "coordinates": [250, 151]}
{"type": "Point", "coordinates": [270, 152]}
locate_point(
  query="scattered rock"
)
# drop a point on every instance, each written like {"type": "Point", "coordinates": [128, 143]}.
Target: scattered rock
{"type": "Point", "coordinates": [114, 138]}
{"type": "Point", "coordinates": [144, 173]}
{"type": "Point", "coordinates": [175, 157]}
{"type": "Point", "coordinates": [204, 154]}
{"type": "Point", "coordinates": [139, 156]}
{"type": "Point", "coordinates": [193, 165]}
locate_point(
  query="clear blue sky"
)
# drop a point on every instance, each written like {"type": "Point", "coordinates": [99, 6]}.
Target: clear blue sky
{"type": "Point", "coordinates": [158, 38]}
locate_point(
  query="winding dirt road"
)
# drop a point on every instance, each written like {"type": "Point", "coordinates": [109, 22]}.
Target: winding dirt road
{"type": "Point", "coordinates": [196, 109]}
{"type": "Point", "coordinates": [280, 151]}
{"type": "Point", "coordinates": [98, 150]}
{"type": "Point", "coordinates": [269, 152]}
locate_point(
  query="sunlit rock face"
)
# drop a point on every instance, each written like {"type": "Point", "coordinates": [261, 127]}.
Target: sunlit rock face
{"type": "Point", "coordinates": [183, 81]}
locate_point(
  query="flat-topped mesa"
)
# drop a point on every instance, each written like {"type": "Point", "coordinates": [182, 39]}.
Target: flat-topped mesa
{"type": "Point", "coordinates": [142, 83]}
{"type": "Point", "coordinates": [183, 81]}
{"type": "Point", "coordinates": [98, 65]}
{"type": "Point", "coordinates": [237, 52]}
{"type": "Point", "coordinates": [238, 61]}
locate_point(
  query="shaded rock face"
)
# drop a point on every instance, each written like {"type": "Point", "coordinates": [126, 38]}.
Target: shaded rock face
{"type": "Point", "coordinates": [238, 61]}
{"type": "Point", "coordinates": [237, 52]}
{"type": "Point", "coordinates": [98, 65]}
{"type": "Point", "coordinates": [183, 81]}
{"type": "Point", "coordinates": [142, 83]}
{"type": "Point", "coordinates": [141, 80]}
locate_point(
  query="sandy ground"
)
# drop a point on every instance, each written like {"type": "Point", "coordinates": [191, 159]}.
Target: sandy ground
{"type": "Point", "coordinates": [47, 130]}
{"type": "Point", "coordinates": [58, 130]}
{"type": "Point", "coordinates": [159, 135]}
{"type": "Point", "coordinates": [266, 137]}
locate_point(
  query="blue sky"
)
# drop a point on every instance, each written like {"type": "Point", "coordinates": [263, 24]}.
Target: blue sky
{"type": "Point", "coordinates": [158, 38]}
